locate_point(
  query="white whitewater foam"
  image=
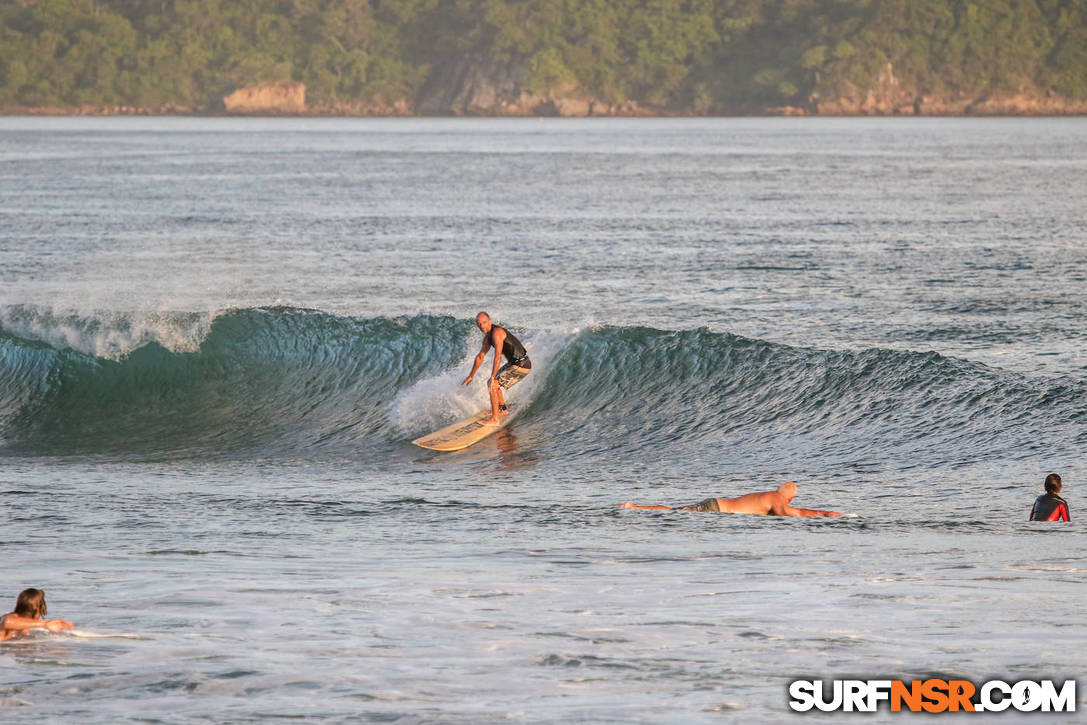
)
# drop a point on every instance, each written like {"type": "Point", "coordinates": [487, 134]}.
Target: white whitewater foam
{"type": "Point", "coordinates": [108, 334]}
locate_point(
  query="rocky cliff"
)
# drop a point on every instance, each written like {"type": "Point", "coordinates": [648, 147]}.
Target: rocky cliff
{"type": "Point", "coordinates": [268, 98]}
{"type": "Point", "coordinates": [478, 86]}
{"type": "Point", "coordinates": [889, 96]}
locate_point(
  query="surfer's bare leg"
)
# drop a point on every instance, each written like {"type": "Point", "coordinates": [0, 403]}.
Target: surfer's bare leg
{"type": "Point", "coordinates": [496, 401]}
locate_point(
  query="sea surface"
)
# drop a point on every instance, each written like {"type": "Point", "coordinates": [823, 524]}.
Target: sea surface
{"type": "Point", "coordinates": [218, 338]}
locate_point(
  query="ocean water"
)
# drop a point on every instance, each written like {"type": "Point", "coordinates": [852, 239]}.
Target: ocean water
{"type": "Point", "coordinates": [218, 338]}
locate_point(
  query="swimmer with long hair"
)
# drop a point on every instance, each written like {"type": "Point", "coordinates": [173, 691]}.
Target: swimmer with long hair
{"type": "Point", "coordinates": [30, 611]}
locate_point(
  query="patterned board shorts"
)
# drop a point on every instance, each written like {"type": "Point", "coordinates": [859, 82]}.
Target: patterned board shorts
{"type": "Point", "coordinates": [510, 374]}
{"type": "Point", "coordinates": [710, 504]}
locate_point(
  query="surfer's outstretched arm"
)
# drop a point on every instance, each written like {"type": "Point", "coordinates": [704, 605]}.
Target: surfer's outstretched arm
{"type": "Point", "coordinates": [29, 613]}
{"type": "Point", "coordinates": [810, 513]}
{"type": "Point", "coordinates": [14, 624]}
{"type": "Point", "coordinates": [632, 505]}
{"type": "Point", "coordinates": [479, 360]}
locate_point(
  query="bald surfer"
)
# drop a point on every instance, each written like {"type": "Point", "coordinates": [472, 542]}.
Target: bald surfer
{"type": "Point", "coordinates": [502, 377]}
{"type": "Point", "coordinates": [1049, 506]}
{"type": "Point", "coordinates": [766, 503]}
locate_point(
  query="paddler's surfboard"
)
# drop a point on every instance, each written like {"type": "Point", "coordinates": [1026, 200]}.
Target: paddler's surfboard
{"type": "Point", "coordinates": [461, 434]}
{"type": "Point", "coordinates": [96, 635]}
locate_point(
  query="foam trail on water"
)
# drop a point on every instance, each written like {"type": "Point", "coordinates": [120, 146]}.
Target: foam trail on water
{"type": "Point", "coordinates": [436, 401]}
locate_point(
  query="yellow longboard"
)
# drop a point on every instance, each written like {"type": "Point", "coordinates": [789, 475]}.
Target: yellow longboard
{"type": "Point", "coordinates": [461, 434]}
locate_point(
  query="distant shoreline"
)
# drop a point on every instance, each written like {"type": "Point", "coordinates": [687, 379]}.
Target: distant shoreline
{"type": "Point", "coordinates": [886, 99]}
{"type": "Point", "coordinates": [767, 113]}
{"type": "Point", "coordinates": [510, 58]}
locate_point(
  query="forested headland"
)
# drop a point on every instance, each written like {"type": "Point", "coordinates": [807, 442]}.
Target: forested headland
{"type": "Point", "coordinates": [544, 57]}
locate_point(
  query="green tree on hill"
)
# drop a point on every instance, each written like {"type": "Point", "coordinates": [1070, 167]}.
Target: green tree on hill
{"type": "Point", "coordinates": [688, 55]}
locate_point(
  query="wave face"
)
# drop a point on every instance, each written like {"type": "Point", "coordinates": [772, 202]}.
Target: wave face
{"type": "Point", "coordinates": [724, 396]}
{"type": "Point", "coordinates": [283, 381]}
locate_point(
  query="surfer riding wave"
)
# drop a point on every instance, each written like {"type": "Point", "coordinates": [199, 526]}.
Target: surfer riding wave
{"type": "Point", "coordinates": [517, 367]}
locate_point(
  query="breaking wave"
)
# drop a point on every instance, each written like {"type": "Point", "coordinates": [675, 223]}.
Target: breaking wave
{"type": "Point", "coordinates": [291, 381]}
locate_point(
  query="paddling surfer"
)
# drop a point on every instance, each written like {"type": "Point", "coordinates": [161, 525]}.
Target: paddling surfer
{"type": "Point", "coordinates": [29, 614]}
{"type": "Point", "coordinates": [766, 503]}
{"type": "Point", "coordinates": [502, 376]}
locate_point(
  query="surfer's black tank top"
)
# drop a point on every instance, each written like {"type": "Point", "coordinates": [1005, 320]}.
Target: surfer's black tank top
{"type": "Point", "coordinates": [512, 349]}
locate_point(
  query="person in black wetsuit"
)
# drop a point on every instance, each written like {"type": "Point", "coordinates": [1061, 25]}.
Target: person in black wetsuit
{"type": "Point", "coordinates": [1049, 506]}
{"type": "Point", "coordinates": [514, 371]}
